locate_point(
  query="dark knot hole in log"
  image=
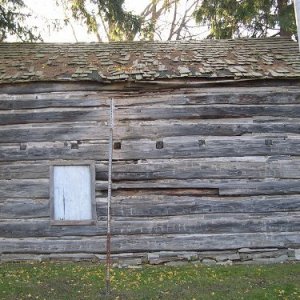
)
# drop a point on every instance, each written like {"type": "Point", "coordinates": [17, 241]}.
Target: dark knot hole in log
{"type": "Point", "coordinates": [159, 145]}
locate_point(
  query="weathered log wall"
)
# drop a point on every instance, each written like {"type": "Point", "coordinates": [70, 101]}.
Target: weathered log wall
{"type": "Point", "coordinates": [211, 169]}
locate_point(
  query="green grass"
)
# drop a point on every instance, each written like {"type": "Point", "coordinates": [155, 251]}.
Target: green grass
{"type": "Point", "coordinates": [86, 281]}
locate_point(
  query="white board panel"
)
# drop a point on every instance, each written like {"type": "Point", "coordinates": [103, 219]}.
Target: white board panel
{"type": "Point", "coordinates": [72, 193]}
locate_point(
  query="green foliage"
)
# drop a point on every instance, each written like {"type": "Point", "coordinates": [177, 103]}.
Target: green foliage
{"type": "Point", "coordinates": [87, 281]}
{"type": "Point", "coordinates": [119, 24]}
{"type": "Point", "coordinates": [12, 20]}
{"type": "Point", "coordinates": [247, 18]}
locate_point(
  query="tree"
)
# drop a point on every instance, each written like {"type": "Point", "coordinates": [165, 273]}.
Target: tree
{"type": "Point", "coordinates": [110, 15]}
{"type": "Point", "coordinates": [177, 16]}
{"type": "Point", "coordinates": [247, 18]}
{"type": "Point", "coordinates": [12, 21]}
{"type": "Point", "coordinates": [109, 20]}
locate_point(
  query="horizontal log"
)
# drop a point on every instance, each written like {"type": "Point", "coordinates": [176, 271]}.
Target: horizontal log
{"type": "Point", "coordinates": [57, 151]}
{"type": "Point", "coordinates": [157, 205]}
{"type": "Point", "coordinates": [186, 224]}
{"type": "Point", "coordinates": [30, 170]}
{"type": "Point", "coordinates": [206, 112]}
{"type": "Point", "coordinates": [24, 208]}
{"type": "Point", "coordinates": [201, 168]}
{"type": "Point", "coordinates": [267, 187]}
{"type": "Point", "coordinates": [241, 96]}
{"type": "Point", "coordinates": [38, 188]}
{"type": "Point", "coordinates": [160, 129]}
{"type": "Point", "coordinates": [59, 115]}
{"type": "Point", "coordinates": [52, 101]}
{"type": "Point", "coordinates": [227, 187]}
{"type": "Point", "coordinates": [153, 205]}
{"type": "Point", "coordinates": [247, 167]}
{"type": "Point", "coordinates": [191, 147]}
{"type": "Point", "coordinates": [148, 113]}
{"type": "Point", "coordinates": [140, 243]}
{"type": "Point", "coordinates": [221, 95]}
{"type": "Point", "coordinates": [146, 149]}
{"type": "Point", "coordinates": [140, 86]}
{"type": "Point", "coordinates": [198, 146]}
{"type": "Point", "coordinates": [68, 95]}
{"type": "Point", "coordinates": [67, 132]}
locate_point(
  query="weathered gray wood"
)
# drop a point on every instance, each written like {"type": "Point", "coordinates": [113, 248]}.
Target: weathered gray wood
{"type": "Point", "coordinates": [24, 208]}
{"type": "Point", "coordinates": [241, 96]}
{"type": "Point", "coordinates": [251, 167]}
{"type": "Point", "coordinates": [207, 112]}
{"type": "Point", "coordinates": [139, 243]}
{"type": "Point", "coordinates": [38, 188]}
{"type": "Point", "coordinates": [267, 187]}
{"type": "Point", "coordinates": [159, 198]}
{"type": "Point", "coordinates": [247, 167]}
{"type": "Point", "coordinates": [80, 95]}
{"type": "Point", "coordinates": [67, 132]}
{"type": "Point", "coordinates": [228, 187]}
{"type": "Point", "coordinates": [198, 146]}
{"type": "Point", "coordinates": [53, 101]}
{"type": "Point", "coordinates": [30, 170]}
{"type": "Point", "coordinates": [150, 86]}
{"type": "Point", "coordinates": [185, 224]}
{"type": "Point", "coordinates": [238, 127]}
{"type": "Point", "coordinates": [58, 150]}
{"type": "Point", "coordinates": [40, 116]}
{"type": "Point", "coordinates": [153, 205]}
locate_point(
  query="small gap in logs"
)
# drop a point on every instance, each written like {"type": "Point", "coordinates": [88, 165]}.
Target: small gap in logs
{"type": "Point", "coordinates": [167, 192]}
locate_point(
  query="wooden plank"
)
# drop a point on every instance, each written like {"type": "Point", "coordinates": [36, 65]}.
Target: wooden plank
{"type": "Point", "coordinates": [185, 224]}
{"type": "Point", "coordinates": [65, 132]}
{"type": "Point", "coordinates": [246, 167]}
{"type": "Point", "coordinates": [155, 205]}
{"type": "Point", "coordinates": [140, 243]}
{"type": "Point", "coordinates": [72, 192]}
{"type": "Point", "coordinates": [38, 188]}
{"type": "Point", "coordinates": [206, 112]}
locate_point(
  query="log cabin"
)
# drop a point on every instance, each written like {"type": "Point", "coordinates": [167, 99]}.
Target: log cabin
{"type": "Point", "coordinates": [206, 147]}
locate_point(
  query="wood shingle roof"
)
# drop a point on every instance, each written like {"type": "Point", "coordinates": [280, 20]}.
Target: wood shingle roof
{"type": "Point", "coordinates": [146, 61]}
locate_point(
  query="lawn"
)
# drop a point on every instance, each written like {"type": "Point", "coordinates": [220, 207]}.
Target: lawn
{"type": "Point", "coordinates": [86, 281]}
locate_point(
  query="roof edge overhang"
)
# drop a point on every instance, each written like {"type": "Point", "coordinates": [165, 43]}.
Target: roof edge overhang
{"type": "Point", "coordinates": [28, 87]}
